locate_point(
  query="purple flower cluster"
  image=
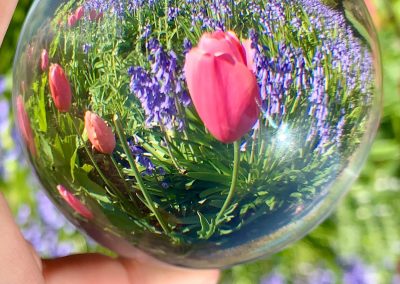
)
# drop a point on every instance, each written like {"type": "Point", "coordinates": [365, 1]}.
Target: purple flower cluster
{"type": "Point", "coordinates": [143, 159]}
{"type": "Point", "coordinates": [160, 90]}
{"type": "Point", "coordinates": [100, 6]}
{"type": "Point", "coordinates": [209, 14]}
{"type": "Point", "coordinates": [354, 272]}
{"type": "Point", "coordinates": [44, 233]}
{"type": "Point", "coordinates": [283, 71]}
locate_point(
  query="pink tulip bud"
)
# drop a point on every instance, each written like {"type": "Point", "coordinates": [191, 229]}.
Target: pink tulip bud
{"type": "Point", "coordinates": [99, 133]}
{"type": "Point", "coordinates": [72, 20]}
{"type": "Point", "coordinates": [74, 202]}
{"type": "Point", "coordinates": [60, 88]}
{"type": "Point", "coordinates": [25, 125]}
{"type": "Point", "coordinates": [94, 16]}
{"type": "Point", "coordinates": [79, 13]}
{"type": "Point", "coordinates": [44, 60]}
{"type": "Point", "coordinates": [223, 88]}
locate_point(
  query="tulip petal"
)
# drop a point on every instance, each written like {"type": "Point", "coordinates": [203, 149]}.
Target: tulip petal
{"type": "Point", "coordinates": [214, 43]}
{"type": "Point", "coordinates": [224, 93]}
{"type": "Point", "coordinates": [250, 54]}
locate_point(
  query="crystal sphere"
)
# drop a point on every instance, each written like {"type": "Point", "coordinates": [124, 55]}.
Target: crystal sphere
{"type": "Point", "coordinates": [203, 133]}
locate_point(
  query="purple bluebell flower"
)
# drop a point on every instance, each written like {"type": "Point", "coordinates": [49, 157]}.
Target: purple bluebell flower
{"type": "Point", "coordinates": [173, 13]}
{"type": "Point", "coordinates": [187, 46]}
{"type": "Point", "coordinates": [160, 89]}
{"type": "Point", "coordinates": [146, 31]}
{"type": "Point", "coordinates": [86, 47]}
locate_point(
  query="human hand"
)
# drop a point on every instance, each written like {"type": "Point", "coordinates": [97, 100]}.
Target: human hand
{"type": "Point", "coordinates": [20, 264]}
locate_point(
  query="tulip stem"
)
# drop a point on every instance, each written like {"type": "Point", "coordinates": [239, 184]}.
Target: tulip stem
{"type": "Point", "coordinates": [141, 185]}
{"type": "Point", "coordinates": [236, 162]}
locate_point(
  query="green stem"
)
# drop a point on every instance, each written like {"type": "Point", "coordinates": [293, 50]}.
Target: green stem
{"type": "Point", "coordinates": [125, 184]}
{"type": "Point", "coordinates": [168, 141]}
{"type": "Point", "coordinates": [236, 162]}
{"type": "Point", "coordinates": [137, 175]}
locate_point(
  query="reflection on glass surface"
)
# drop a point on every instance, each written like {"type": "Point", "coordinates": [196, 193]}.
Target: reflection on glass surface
{"type": "Point", "coordinates": [205, 133]}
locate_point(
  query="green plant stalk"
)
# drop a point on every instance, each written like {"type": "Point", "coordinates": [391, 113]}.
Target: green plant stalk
{"type": "Point", "coordinates": [137, 175]}
{"type": "Point", "coordinates": [168, 141]}
{"type": "Point", "coordinates": [236, 162]}
{"type": "Point", "coordinates": [125, 184]}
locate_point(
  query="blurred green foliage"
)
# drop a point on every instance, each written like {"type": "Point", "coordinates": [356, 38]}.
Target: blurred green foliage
{"type": "Point", "coordinates": [366, 224]}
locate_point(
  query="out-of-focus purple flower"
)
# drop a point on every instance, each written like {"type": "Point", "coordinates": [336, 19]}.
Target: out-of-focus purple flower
{"type": "Point", "coordinates": [321, 276]}
{"type": "Point", "coordinates": [2, 85]}
{"type": "Point", "coordinates": [357, 272]}
{"type": "Point", "coordinates": [273, 278]}
{"type": "Point", "coordinates": [44, 232]}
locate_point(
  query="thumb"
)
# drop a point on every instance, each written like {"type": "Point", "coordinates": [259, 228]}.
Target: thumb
{"type": "Point", "coordinates": [18, 261]}
{"type": "Point", "coordinates": [6, 12]}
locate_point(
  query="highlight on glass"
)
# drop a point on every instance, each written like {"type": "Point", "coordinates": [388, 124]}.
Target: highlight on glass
{"type": "Point", "coordinates": [204, 133]}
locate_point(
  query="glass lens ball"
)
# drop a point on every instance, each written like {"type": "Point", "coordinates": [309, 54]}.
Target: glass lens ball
{"type": "Point", "coordinates": [203, 133]}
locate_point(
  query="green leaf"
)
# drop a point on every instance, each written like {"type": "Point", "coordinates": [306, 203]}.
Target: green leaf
{"type": "Point", "coordinates": [207, 228]}
{"type": "Point", "coordinates": [72, 163]}
{"type": "Point", "coordinates": [207, 176]}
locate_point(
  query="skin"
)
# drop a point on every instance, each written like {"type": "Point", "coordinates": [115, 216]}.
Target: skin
{"type": "Point", "coordinates": [19, 262]}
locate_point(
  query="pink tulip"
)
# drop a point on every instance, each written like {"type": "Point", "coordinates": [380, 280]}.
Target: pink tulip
{"type": "Point", "coordinates": [250, 53]}
{"type": "Point", "coordinates": [72, 20]}
{"type": "Point", "coordinates": [222, 85]}
{"type": "Point", "coordinates": [25, 125]}
{"type": "Point", "coordinates": [74, 202]}
{"type": "Point", "coordinates": [44, 60]}
{"type": "Point", "coordinates": [60, 88]}
{"type": "Point", "coordinates": [94, 16]}
{"type": "Point", "coordinates": [79, 13]}
{"type": "Point", "coordinates": [99, 133]}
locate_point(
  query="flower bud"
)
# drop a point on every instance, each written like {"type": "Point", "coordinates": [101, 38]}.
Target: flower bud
{"type": "Point", "coordinates": [74, 202]}
{"type": "Point", "coordinates": [99, 133]}
{"type": "Point", "coordinates": [25, 125]}
{"type": "Point", "coordinates": [79, 13]}
{"type": "Point", "coordinates": [60, 88]}
{"type": "Point", "coordinates": [72, 20]}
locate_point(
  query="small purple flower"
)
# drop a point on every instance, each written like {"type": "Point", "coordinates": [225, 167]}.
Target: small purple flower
{"type": "Point", "coordinates": [146, 31]}
{"type": "Point", "coordinates": [86, 47]}
{"type": "Point", "coordinates": [273, 278]}
{"type": "Point", "coordinates": [2, 85]}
